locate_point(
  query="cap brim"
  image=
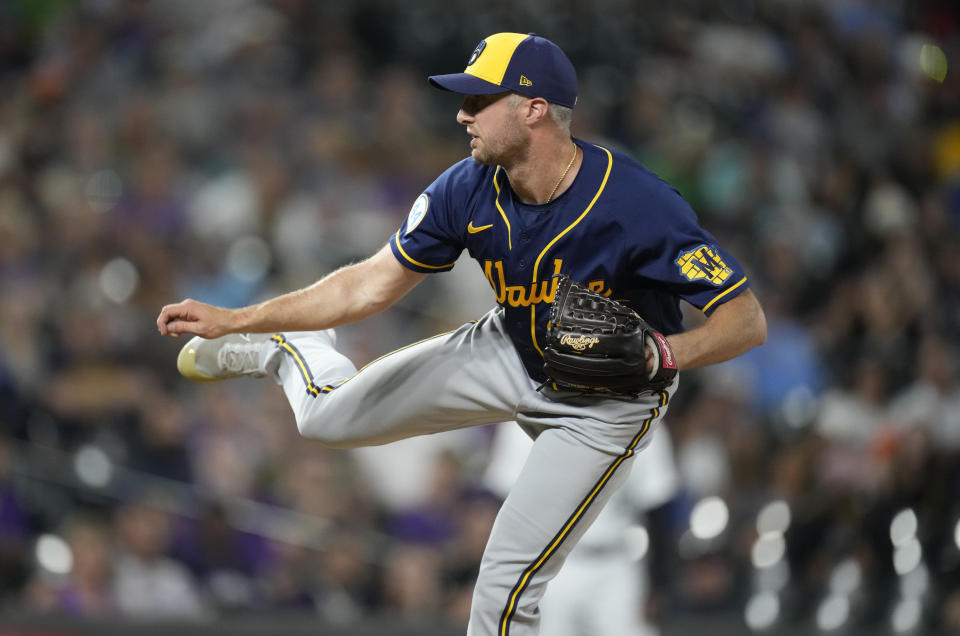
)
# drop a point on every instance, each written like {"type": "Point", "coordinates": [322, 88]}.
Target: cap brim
{"type": "Point", "coordinates": [465, 84]}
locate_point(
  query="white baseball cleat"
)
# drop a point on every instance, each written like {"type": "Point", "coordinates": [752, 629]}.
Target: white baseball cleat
{"type": "Point", "coordinates": [229, 356]}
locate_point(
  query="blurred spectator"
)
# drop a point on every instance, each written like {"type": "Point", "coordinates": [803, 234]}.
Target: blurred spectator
{"type": "Point", "coordinates": [932, 401]}
{"type": "Point", "coordinates": [854, 422]}
{"type": "Point", "coordinates": [412, 583]}
{"type": "Point", "coordinates": [786, 374]}
{"type": "Point", "coordinates": [474, 520]}
{"type": "Point", "coordinates": [15, 525]}
{"type": "Point", "coordinates": [346, 586]}
{"type": "Point", "coordinates": [433, 521]}
{"type": "Point", "coordinates": [225, 562]}
{"type": "Point", "coordinates": [409, 473]}
{"type": "Point", "coordinates": [159, 441]}
{"type": "Point", "coordinates": [90, 588]}
{"type": "Point", "coordinates": [147, 581]}
{"type": "Point", "coordinates": [290, 584]}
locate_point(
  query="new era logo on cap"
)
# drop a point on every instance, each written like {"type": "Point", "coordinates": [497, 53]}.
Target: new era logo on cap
{"type": "Point", "coordinates": [525, 63]}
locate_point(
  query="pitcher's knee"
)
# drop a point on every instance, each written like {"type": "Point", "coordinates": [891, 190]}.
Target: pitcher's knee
{"type": "Point", "coordinates": [334, 429]}
{"type": "Point", "coordinates": [328, 430]}
{"type": "Point", "coordinates": [324, 439]}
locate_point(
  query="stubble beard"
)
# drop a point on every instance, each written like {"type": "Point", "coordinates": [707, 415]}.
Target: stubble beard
{"type": "Point", "coordinates": [506, 151]}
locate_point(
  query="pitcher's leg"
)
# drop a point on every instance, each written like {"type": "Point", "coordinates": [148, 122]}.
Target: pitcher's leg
{"type": "Point", "coordinates": [306, 365]}
{"type": "Point", "coordinates": [465, 378]}
{"type": "Point", "coordinates": [581, 456]}
{"type": "Point", "coordinates": [562, 488]}
{"type": "Point", "coordinates": [303, 363]}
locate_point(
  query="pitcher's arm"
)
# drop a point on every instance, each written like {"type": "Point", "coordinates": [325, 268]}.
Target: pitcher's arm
{"type": "Point", "coordinates": [733, 328]}
{"type": "Point", "coordinates": [347, 295]}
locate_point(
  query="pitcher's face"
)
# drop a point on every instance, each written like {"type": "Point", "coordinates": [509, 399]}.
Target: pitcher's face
{"type": "Point", "coordinates": [497, 134]}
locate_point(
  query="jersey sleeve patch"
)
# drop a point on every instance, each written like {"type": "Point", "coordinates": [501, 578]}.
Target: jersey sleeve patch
{"type": "Point", "coordinates": [703, 263]}
{"type": "Point", "coordinates": [417, 212]}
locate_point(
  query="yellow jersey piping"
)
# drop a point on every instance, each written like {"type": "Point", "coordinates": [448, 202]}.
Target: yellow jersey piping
{"type": "Point", "coordinates": [536, 264]}
{"type": "Point", "coordinates": [415, 262]}
{"type": "Point", "coordinates": [496, 186]}
{"type": "Point", "coordinates": [722, 294]}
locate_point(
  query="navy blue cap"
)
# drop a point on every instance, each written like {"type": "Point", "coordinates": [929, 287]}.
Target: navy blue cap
{"type": "Point", "coordinates": [525, 63]}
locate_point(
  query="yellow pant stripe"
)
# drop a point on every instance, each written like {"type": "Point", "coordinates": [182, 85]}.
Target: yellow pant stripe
{"type": "Point", "coordinates": [305, 372]}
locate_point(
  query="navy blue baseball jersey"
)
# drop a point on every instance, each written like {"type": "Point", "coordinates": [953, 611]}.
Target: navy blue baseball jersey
{"type": "Point", "coordinates": [619, 229]}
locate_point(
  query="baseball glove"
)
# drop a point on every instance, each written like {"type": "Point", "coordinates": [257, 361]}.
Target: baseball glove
{"type": "Point", "coordinates": [597, 344]}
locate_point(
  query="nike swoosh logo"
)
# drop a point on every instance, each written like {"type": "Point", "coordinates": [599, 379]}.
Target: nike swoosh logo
{"type": "Point", "coordinates": [474, 230]}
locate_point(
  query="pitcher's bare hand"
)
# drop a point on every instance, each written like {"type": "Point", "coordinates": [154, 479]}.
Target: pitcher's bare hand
{"type": "Point", "coordinates": [194, 318]}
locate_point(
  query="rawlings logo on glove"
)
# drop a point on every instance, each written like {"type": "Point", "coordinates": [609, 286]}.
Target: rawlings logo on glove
{"type": "Point", "coordinates": [597, 344]}
{"type": "Point", "coordinates": [579, 343]}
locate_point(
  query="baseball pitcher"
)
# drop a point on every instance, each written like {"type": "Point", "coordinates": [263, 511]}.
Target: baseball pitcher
{"type": "Point", "coordinates": [588, 254]}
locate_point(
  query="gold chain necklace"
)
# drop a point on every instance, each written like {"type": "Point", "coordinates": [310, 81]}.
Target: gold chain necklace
{"type": "Point", "coordinates": [566, 170]}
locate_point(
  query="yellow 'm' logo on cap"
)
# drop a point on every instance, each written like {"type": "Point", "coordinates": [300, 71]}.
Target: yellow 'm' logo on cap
{"type": "Point", "coordinates": [492, 65]}
{"type": "Point", "coordinates": [524, 81]}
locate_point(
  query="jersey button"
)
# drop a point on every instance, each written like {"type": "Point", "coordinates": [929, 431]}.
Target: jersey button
{"type": "Point", "coordinates": [524, 237]}
{"type": "Point", "coordinates": [522, 264]}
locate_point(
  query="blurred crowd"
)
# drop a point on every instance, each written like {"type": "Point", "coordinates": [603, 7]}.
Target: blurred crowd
{"type": "Point", "coordinates": [229, 150]}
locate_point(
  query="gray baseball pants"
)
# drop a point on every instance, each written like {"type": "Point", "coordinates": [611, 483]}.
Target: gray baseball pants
{"type": "Point", "coordinates": [584, 447]}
